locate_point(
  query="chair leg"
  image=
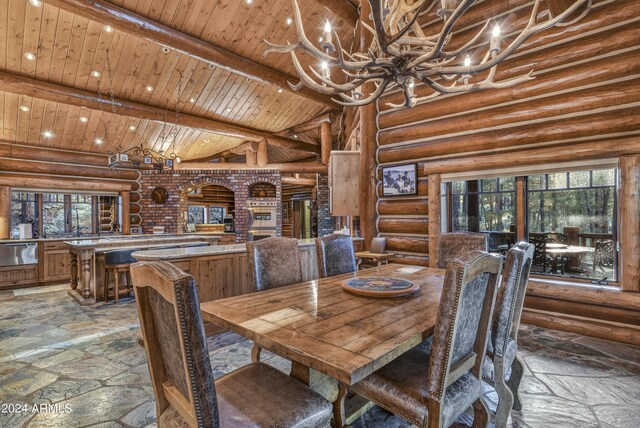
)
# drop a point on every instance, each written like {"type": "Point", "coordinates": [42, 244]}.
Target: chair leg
{"type": "Point", "coordinates": [106, 286]}
{"type": "Point", "coordinates": [505, 395]}
{"type": "Point", "coordinates": [517, 371]}
{"type": "Point", "coordinates": [116, 286]}
{"type": "Point", "coordinates": [255, 353]}
{"type": "Point", "coordinates": [480, 414]}
{"type": "Point", "coordinates": [339, 417]}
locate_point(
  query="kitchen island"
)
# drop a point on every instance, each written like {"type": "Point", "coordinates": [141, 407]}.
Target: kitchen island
{"type": "Point", "coordinates": [87, 258]}
{"type": "Point", "coordinates": [221, 271]}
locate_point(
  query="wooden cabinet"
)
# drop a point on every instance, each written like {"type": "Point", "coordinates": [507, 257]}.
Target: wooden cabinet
{"type": "Point", "coordinates": [344, 176]}
{"type": "Point", "coordinates": [54, 261]}
{"type": "Point", "coordinates": [12, 276]}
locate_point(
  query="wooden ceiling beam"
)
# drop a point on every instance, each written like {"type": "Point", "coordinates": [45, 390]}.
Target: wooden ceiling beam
{"type": "Point", "coordinates": [137, 25]}
{"type": "Point", "coordinates": [22, 85]}
{"type": "Point", "coordinates": [289, 168]}
{"type": "Point", "coordinates": [345, 9]}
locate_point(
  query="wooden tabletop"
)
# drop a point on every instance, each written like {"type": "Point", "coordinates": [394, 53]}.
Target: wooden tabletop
{"type": "Point", "coordinates": [570, 249]}
{"type": "Point", "coordinates": [319, 325]}
{"type": "Point", "coordinates": [370, 255]}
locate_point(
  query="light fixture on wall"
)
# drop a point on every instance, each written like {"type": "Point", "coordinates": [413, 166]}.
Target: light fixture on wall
{"type": "Point", "coordinates": [401, 54]}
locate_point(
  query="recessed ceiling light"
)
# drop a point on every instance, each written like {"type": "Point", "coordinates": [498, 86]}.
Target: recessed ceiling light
{"type": "Point", "coordinates": [165, 49]}
{"type": "Point", "coordinates": [98, 140]}
{"type": "Point", "coordinates": [30, 56]}
{"type": "Point", "coordinates": [295, 135]}
{"type": "Point", "coordinates": [25, 108]}
{"type": "Point", "coordinates": [211, 66]}
{"type": "Point", "coordinates": [320, 39]}
{"type": "Point", "coordinates": [280, 90]}
{"type": "Point", "coordinates": [96, 73]}
{"type": "Point", "coordinates": [132, 128]}
{"type": "Point", "coordinates": [84, 119]}
{"type": "Point", "coordinates": [178, 159]}
{"type": "Point", "coordinates": [228, 108]}
{"type": "Point", "coordinates": [149, 88]}
{"type": "Point", "coordinates": [35, 3]}
{"type": "Point", "coordinates": [248, 1]}
{"type": "Point", "coordinates": [206, 140]}
{"type": "Point", "coordinates": [192, 100]}
{"type": "Point", "coordinates": [108, 28]}
{"type": "Point", "coordinates": [47, 134]}
{"type": "Point", "coordinates": [289, 21]}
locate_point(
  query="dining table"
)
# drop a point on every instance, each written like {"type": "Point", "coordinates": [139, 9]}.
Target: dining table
{"type": "Point", "coordinates": [330, 334]}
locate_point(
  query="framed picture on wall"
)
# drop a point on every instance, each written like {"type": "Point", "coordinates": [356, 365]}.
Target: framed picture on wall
{"type": "Point", "coordinates": [400, 180]}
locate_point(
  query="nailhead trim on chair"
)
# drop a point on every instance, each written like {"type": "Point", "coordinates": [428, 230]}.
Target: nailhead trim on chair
{"type": "Point", "coordinates": [189, 356]}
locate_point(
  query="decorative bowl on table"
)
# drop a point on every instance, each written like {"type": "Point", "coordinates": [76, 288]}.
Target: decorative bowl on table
{"type": "Point", "coordinates": [378, 286]}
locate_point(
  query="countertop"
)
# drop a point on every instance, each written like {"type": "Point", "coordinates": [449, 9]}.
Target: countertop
{"type": "Point", "coordinates": [186, 253]}
{"type": "Point", "coordinates": [111, 237]}
{"type": "Point", "coordinates": [138, 239]}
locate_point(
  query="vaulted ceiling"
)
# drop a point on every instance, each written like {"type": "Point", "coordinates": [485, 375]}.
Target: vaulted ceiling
{"type": "Point", "coordinates": [85, 58]}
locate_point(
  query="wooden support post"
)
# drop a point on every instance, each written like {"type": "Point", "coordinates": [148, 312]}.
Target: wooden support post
{"type": "Point", "coordinates": [435, 208]}
{"type": "Point", "coordinates": [252, 157]}
{"type": "Point", "coordinates": [325, 142]}
{"type": "Point", "coordinates": [5, 212]}
{"type": "Point", "coordinates": [368, 147]}
{"type": "Point", "coordinates": [629, 223]}
{"type": "Point", "coordinates": [125, 226]}
{"type": "Point", "coordinates": [262, 153]}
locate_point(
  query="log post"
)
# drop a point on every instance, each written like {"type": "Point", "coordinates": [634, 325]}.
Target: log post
{"type": "Point", "coordinates": [252, 157]}
{"type": "Point", "coordinates": [521, 209]}
{"type": "Point", "coordinates": [629, 224]}
{"type": "Point", "coordinates": [262, 153]}
{"type": "Point", "coordinates": [325, 142]}
{"type": "Point", "coordinates": [435, 204]}
{"type": "Point", "coordinates": [125, 226]}
{"type": "Point", "coordinates": [5, 212]}
{"type": "Point", "coordinates": [368, 147]}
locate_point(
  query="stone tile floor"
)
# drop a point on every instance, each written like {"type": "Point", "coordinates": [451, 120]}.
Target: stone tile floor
{"type": "Point", "coordinates": [53, 351]}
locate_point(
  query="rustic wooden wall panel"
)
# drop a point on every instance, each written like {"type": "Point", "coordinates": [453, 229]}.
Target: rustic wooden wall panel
{"type": "Point", "coordinates": [583, 104]}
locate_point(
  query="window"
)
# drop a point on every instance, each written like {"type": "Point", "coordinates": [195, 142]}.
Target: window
{"type": "Point", "coordinates": [196, 214]}
{"type": "Point", "coordinates": [53, 214]}
{"type": "Point", "coordinates": [200, 214]}
{"type": "Point", "coordinates": [23, 210]}
{"type": "Point", "coordinates": [216, 215]}
{"type": "Point", "coordinates": [81, 214]}
{"type": "Point", "coordinates": [570, 217]}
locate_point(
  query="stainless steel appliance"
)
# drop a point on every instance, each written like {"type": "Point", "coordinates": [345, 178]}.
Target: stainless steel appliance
{"type": "Point", "coordinates": [18, 254]}
{"type": "Point", "coordinates": [263, 218]}
{"type": "Point", "coordinates": [229, 224]}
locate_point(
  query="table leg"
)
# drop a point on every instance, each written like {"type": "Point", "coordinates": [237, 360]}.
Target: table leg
{"type": "Point", "coordinates": [319, 382]}
{"type": "Point", "coordinates": [73, 267]}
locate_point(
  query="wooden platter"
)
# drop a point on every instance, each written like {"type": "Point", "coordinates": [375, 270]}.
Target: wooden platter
{"type": "Point", "coordinates": [380, 286]}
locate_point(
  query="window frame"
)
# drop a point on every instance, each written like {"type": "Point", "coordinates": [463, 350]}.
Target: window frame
{"type": "Point", "coordinates": [524, 176]}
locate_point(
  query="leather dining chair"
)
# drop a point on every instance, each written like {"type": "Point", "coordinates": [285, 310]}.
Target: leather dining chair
{"type": "Point", "coordinates": [335, 255]}
{"type": "Point", "coordinates": [458, 245]}
{"type": "Point", "coordinates": [502, 367]}
{"type": "Point", "coordinates": [186, 393]}
{"type": "Point", "coordinates": [430, 386]}
{"type": "Point", "coordinates": [272, 263]}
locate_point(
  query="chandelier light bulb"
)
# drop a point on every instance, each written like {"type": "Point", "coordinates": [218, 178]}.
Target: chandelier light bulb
{"type": "Point", "coordinates": [289, 21]}
{"type": "Point", "coordinates": [467, 61]}
{"type": "Point", "coordinates": [327, 27]}
{"type": "Point", "coordinates": [324, 65]}
{"type": "Point", "coordinates": [496, 30]}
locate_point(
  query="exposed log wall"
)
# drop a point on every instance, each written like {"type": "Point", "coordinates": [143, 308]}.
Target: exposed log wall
{"type": "Point", "coordinates": [584, 105]}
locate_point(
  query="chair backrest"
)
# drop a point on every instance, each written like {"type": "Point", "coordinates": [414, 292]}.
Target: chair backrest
{"type": "Point", "coordinates": [457, 245]}
{"type": "Point", "coordinates": [463, 322]}
{"type": "Point", "coordinates": [539, 241]}
{"type": "Point", "coordinates": [119, 257]}
{"type": "Point", "coordinates": [510, 300]}
{"type": "Point", "coordinates": [174, 342]}
{"type": "Point", "coordinates": [378, 245]}
{"type": "Point", "coordinates": [335, 255]}
{"type": "Point", "coordinates": [273, 262]}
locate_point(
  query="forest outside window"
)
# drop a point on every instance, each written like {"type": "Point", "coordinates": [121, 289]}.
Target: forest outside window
{"type": "Point", "coordinates": [206, 214]}
{"type": "Point", "coordinates": [569, 216]}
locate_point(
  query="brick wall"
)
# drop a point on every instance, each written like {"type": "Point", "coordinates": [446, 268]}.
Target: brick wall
{"type": "Point", "coordinates": [173, 213]}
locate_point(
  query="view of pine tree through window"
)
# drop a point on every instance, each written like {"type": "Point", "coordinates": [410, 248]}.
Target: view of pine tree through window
{"type": "Point", "coordinates": [570, 218]}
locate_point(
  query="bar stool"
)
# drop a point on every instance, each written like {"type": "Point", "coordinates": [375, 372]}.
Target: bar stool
{"type": "Point", "coordinates": [117, 262]}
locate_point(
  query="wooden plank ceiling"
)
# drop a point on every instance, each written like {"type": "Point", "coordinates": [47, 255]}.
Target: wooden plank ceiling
{"type": "Point", "coordinates": [69, 48]}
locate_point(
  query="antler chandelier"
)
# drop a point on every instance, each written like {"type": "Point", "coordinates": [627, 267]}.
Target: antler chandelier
{"type": "Point", "coordinates": [401, 54]}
